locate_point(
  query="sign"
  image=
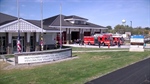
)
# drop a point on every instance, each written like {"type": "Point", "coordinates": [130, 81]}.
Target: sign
{"type": "Point", "coordinates": [137, 43]}
{"type": "Point", "coordinates": [137, 40]}
{"type": "Point", "coordinates": [43, 57]}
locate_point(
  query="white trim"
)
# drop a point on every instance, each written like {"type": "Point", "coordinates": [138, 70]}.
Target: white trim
{"type": "Point", "coordinates": [10, 23]}
{"type": "Point", "coordinates": [78, 27]}
{"type": "Point", "coordinates": [72, 19]}
{"type": "Point", "coordinates": [37, 29]}
{"type": "Point", "coordinates": [53, 31]}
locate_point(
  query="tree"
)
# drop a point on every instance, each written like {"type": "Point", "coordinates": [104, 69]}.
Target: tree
{"type": "Point", "coordinates": [122, 29]}
{"type": "Point", "coordinates": [119, 29]}
{"type": "Point", "coordinates": [140, 30]}
{"type": "Point", "coordinates": [147, 28]}
{"type": "Point", "coordinates": [109, 27]}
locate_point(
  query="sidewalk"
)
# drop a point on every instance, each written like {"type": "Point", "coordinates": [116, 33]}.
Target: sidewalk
{"type": "Point", "coordinates": [96, 46]}
{"type": "Point", "coordinates": [101, 51]}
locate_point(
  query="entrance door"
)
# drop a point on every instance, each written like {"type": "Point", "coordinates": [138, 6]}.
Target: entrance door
{"type": "Point", "coordinates": [14, 45]}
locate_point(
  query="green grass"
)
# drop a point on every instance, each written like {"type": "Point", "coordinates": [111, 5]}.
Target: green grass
{"type": "Point", "coordinates": [88, 49]}
{"type": "Point", "coordinates": [78, 71]}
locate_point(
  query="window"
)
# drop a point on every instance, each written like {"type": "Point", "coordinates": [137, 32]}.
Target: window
{"type": "Point", "coordinates": [32, 43]}
{"type": "Point", "coordinates": [79, 22]}
{"type": "Point", "coordinates": [2, 44]}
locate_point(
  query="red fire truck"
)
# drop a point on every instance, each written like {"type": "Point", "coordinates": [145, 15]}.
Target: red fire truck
{"type": "Point", "coordinates": [104, 39]}
{"type": "Point", "coordinates": [90, 40]}
{"type": "Point", "coordinates": [117, 39]}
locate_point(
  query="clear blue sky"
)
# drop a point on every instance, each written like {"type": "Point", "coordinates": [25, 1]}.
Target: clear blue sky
{"type": "Point", "coordinates": [101, 12]}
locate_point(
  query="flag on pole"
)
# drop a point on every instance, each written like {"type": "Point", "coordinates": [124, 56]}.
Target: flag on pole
{"type": "Point", "coordinates": [18, 42]}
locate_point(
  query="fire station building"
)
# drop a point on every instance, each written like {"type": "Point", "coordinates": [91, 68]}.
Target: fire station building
{"type": "Point", "coordinates": [73, 27]}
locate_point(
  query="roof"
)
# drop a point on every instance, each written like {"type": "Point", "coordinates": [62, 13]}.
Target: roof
{"type": "Point", "coordinates": [51, 23]}
{"type": "Point", "coordinates": [48, 21]}
{"type": "Point", "coordinates": [4, 18]}
{"type": "Point", "coordinates": [38, 23]}
{"type": "Point", "coordinates": [74, 17]}
{"type": "Point", "coordinates": [56, 22]}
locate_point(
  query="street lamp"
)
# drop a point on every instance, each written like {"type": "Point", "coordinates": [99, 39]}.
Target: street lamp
{"type": "Point", "coordinates": [131, 24]}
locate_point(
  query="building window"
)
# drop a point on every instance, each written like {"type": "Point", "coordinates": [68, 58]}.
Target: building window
{"type": "Point", "coordinates": [32, 44]}
{"type": "Point", "coordinates": [2, 45]}
{"type": "Point", "coordinates": [79, 22]}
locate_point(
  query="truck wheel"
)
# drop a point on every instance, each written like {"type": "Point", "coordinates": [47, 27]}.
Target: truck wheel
{"type": "Point", "coordinates": [89, 43]}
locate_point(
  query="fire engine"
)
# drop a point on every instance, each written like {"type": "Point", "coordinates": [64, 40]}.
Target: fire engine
{"type": "Point", "coordinates": [106, 40]}
{"type": "Point", "coordinates": [117, 39]}
{"type": "Point", "coordinates": [90, 40]}
{"type": "Point", "coordinates": [103, 39]}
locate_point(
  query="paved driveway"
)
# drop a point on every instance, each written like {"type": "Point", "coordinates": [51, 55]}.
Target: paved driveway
{"type": "Point", "coordinates": [96, 46]}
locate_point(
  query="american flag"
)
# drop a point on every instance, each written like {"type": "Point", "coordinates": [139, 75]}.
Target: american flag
{"type": "Point", "coordinates": [18, 42]}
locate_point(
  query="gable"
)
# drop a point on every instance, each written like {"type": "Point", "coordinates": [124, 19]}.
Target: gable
{"type": "Point", "coordinates": [4, 18]}
{"type": "Point", "coordinates": [24, 26]}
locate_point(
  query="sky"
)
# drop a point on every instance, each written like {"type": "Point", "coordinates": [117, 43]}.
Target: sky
{"type": "Point", "coordinates": [101, 12]}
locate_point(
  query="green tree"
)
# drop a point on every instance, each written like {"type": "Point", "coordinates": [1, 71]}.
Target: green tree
{"type": "Point", "coordinates": [147, 28]}
{"type": "Point", "coordinates": [122, 29]}
{"type": "Point", "coordinates": [109, 27]}
{"type": "Point", "coordinates": [140, 30]}
{"type": "Point", "coordinates": [119, 29]}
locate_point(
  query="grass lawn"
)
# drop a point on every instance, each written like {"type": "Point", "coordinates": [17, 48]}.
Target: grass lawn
{"type": "Point", "coordinates": [78, 71]}
{"type": "Point", "coordinates": [89, 49]}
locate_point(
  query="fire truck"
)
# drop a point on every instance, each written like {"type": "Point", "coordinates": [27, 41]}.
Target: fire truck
{"type": "Point", "coordinates": [117, 39]}
{"type": "Point", "coordinates": [90, 40]}
{"type": "Point", "coordinates": [103, 39]}
{"type": "Point", "coordinates": [106, 40]}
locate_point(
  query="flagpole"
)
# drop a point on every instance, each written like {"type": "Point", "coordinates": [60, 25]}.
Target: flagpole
{"type": "Point", "coordinates": [18, 15]}
{"type": "Point", "coordinates": [60, 40]}
{"type": "Point", "coordinates": [42, 45]}
{"type": "Point", "coordinates": [18, 40]}
{"type": "Point", "coordinates": [18, 10]}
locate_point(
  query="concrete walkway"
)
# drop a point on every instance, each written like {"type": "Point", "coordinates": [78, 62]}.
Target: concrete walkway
{"type": "Point", "coordinates": [101, 51]}
{"type": "Point", "coordinates": [96, 46]}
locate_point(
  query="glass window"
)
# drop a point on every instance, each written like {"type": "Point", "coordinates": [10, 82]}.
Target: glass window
{"type": "Point", "coordinates": [2, 45]}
